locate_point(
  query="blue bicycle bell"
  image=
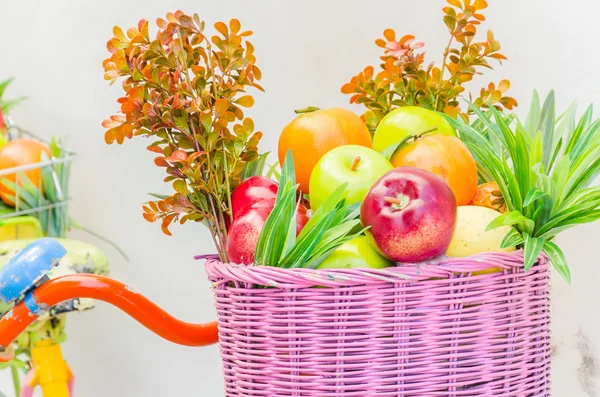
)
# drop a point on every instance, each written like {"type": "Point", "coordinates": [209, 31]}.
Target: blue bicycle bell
{"type": "Point", "coordinates": [29, 267]}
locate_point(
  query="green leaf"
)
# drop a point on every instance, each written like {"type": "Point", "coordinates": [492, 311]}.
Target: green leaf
{"type": "Point", "coordinates": [287, 173]}
{"type": "Point", "coordinates": [537, 151]}
{"type": "Point", "coordinates": [533, 116]}
{"type": "Point", "coordinates": [290, 239]}
{"type": "Point", "coordinates": [586, 217]}
{"type": "Point", "coordinates": [255, 168]}
{"type": "Point", "coordinates": [560, 175]}
{"type": "Point", "coordinates": [581, 197]}
{"type": "Point", "coordinates": [513, 189]}
{"type": "Point", "coordinates": [273, 171]}
{"type": "Point", "coordinates": [307, 242]}
{"type": "Point", "coordinates": [532, 247]}
{"type": "Point", "coordinates": [532, 196]}
{"type": "Point", "coordinates": [556, 154]}
{"type": "Point", "coordinates": [181, 122]}
{"type": "Point", "coordinates": [587, 142]}
{"type": "Point", "coordinates": [25, 199]}
{"type": "Point", "coordinates": [583, 124]}
{"type": "Point", "coordinates": [353, 211]}
{"type": "Point", "coordinates": [546, 126]}
{"type": "Point", "coordinates": [509, 219]}
{"type": "Point", "coordinates": [520, 161]}
{"type": "Point", "coordinates": [581, 177]}
{"type": "Point", "coordinates": [558, 260]}
{"type": "Point", "coordinates": [389, 151]}
{"type": "Point", "coordinates": [336, 232]}
{"type": "Point", "coordinates": [507, 136]}
{"type": "Point", "coordinates": [325, 209]}
{"type": "Point", "coordinates": [4, 84]}
{"type": "Point", "coordinates": [571, 212]}
{"type": "Point", "coordinates": [512, 239]}
{"type": "Point", "coordinates": [11, 103]}
{"type": "Point", "coordinates": [321, 253]}
{"type": "Point", "coordinates": [273, 236]}
{"type": "Point", "coordinates": [159, 196]}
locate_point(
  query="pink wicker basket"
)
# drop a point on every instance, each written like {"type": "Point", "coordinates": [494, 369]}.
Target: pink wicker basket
{"type": "Point", "coordinates": [410, 331]}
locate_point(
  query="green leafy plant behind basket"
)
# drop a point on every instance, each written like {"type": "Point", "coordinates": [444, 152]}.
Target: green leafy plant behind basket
{"type": "Point", "coordinates": [544, 169]}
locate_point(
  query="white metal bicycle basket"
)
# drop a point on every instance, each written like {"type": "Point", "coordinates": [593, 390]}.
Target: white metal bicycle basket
{"type": "Point", "coordinates": [45, 200]}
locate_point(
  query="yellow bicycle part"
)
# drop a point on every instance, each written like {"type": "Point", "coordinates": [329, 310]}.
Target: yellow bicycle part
{"type": "Point", "coordinates": [51, 372]}
{"type": "Point", "coordinates": [20, 227]}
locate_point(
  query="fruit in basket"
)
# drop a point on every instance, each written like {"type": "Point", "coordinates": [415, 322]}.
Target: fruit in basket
{"type": "Point", "coordinates": [489, 195]}
{"type": "Point", "coordinates": [16, 153]}
{"type": "Point", "coordinates": [408, 120]}
{"type": "Point", "coordinates": [471, 236]}
{"type": "Point", "coordinates": [310, 135]}
{"type": "Point", "coordinates": [251, 190]}
{"type": "Point", "coordinates": [445, 156]}
{"type": "Point", "coordinates": [412, 214]}
{"type": "Point", "coordinates": [356, 253]}
{"type": "Point", "coordinates": [246, 227]}
{"type": "Point", "coordinates": [358, 166]}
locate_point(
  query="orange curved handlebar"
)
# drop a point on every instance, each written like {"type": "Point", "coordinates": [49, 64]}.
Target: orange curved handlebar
{"type": "Point", "coordinates": [116, 293]}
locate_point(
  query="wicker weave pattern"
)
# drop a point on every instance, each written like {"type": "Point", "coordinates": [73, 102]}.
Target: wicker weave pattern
{"type": "Point", "coordinates": [402, 332]}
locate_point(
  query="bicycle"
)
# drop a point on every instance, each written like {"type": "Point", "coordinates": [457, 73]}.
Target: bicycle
{"type": "Point", "coordinates": [45, 336]}
{"type": "Point", "coordinates": [24, 283]}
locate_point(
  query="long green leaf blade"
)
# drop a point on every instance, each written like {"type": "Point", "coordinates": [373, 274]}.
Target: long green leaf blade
{"type": "Point", "coordinates": [512, 239]}
{"type": "Point", "coordinates": [532, 247]}
{"type": "Point", "coordinates": [558, 260]}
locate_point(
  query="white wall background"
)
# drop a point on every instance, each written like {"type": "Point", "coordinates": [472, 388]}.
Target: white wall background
{"type": "Point", "coordinates": [307, 49]}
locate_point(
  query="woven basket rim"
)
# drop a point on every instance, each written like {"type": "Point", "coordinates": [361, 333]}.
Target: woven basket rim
{"type": "Point", "coordinates": [443, 268]}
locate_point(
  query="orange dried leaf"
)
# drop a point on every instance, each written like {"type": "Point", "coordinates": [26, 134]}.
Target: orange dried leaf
{"type": "Point", "coordinates": [504, 85]}
{"type": "Point", "coordinates": [480, 4]}
{"type": "Point", "coordinates": [155, 149]}
{"type": "Point", "coordinates": [222, 105]}
{"type": "Point", "coordinates": [118, 32]}
{"type": "Point", "coordinates": [234, 25]}
{"type": "Point", "coordinates": [166, 222]}
{"type": "Point", "coordinates": [389, 34]}
{"type": "Point", "coordinates": [161, 162]}
{"type": "Point", "coordinates": [149, 217]}
{"type": "Point", "coordinates": [222, 28]}
{"type": "Point", "coordinates": [178, 156]}
{"type": "Point", "coordinates": [109, 136]}
{"type": "Point", "coordinates": [406, 40]}
{"type": "Point", "coordinates": [245, 101]}
{"type": "Point", "coordinates": [348, 88]}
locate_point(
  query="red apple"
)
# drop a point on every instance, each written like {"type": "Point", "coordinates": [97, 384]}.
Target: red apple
{"type": "Point", "coordinates": [251, 190]}
{"type": "Point", "coordinates": [246, 227]}
{"type": "Point", "coordinates": [412, 214]}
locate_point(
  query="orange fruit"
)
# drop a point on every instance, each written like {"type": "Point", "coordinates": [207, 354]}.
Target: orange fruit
{"type": "Point", "coordinates": [489, 195]}
{"type": "Point", "coordinates": [311, 135]}
{"type": "Point", "coordinates": [16, 153]}
{"type": "Point", "coordinates": [445, 156]}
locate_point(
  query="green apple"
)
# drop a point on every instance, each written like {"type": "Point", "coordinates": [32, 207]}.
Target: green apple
{"type": "Point", "coordinates": [357, 165]}
{"type": "Point", "coordinates": [356, 253]}
{"type": "Point", "coordinates": [408, 120]}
